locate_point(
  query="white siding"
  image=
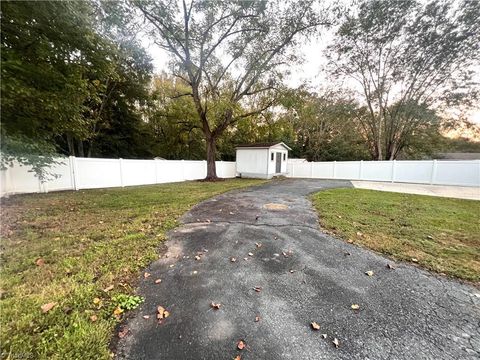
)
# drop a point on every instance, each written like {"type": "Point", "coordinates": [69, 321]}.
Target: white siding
{"type": "Point", "coordinates": [252, 162]}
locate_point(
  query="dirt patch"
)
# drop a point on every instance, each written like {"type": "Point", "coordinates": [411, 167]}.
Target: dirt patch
{"type": "Point", "coordinates": [277, 207]}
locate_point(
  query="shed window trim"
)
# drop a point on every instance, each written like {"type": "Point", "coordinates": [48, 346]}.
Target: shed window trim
{"type": "Point", "coordinates": [272, 156]}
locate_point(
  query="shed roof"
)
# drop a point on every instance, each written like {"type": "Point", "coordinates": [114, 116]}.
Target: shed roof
{"type": "Point", "coordinates": [263, 145]}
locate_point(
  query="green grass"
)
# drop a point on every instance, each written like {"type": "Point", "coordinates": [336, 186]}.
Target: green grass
{"type": "Point", "coordinates": [442, 234]}
{"type": "Point", "coordinates": [88, 240]}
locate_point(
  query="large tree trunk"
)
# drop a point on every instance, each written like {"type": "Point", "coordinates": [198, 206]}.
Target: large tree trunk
{"type": "Point", "coordinates": [211, 157]}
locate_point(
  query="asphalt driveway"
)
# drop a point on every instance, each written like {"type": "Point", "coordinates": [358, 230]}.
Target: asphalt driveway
{"type": "Point", "coordinates": [287, 274]}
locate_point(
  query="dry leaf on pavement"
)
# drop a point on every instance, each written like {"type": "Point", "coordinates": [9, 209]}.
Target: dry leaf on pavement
{"type": "Point", "coordinates": [336, 343]}
{"type": "Point", "coordinates": [315, 326]}
{"type": "Point", "coordinates": [162, 313]}
{"type": "Point", "coordinates": [215, 306]}
{"type": "Point", "coordinates": [369, 273]}
{"type": "Point", "coordinates": [241, 345]}
{"type": "Point", "coordinates": [355, 306]}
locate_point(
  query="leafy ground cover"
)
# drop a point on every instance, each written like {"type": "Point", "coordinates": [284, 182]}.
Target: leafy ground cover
{"type": "Point", "coordinates": [440, 234]}
{"type": "Point", "coordinates": [70, 261]}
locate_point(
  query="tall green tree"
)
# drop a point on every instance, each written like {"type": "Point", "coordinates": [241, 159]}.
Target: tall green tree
{"type": "Point", "coordinates": [71, 72]}
{"type": "Point", "coordinates": [407, 57]}
{"type": "Point", "coordinates": [227, 52]}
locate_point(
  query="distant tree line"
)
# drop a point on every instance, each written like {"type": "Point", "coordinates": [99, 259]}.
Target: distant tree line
{"type": "Point", "coordinates": [76, 81]}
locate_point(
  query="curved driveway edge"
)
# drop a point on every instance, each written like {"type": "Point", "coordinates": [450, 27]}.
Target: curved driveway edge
{"type": "Point", "coordinates": [303, 275]}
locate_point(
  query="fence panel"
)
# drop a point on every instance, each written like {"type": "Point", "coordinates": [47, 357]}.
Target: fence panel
{"type": "Point", "coordinates": [138, 172]}
{"type": "Point", "coordinates": [440, 172]}
{"type": "Point", "coordinates": [91, 173]}
{"type": "Point", "coordinates": [377, 170]}
{"type": "Point", "coordinates": [464, 173]}
{"type": "Point", "coordinates": [414, 171]}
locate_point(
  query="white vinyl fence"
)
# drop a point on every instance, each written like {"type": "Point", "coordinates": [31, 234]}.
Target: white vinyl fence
{"type": "Point", "coordinates": [438, 172]}
{"type": "Point", "coordinates": [88, 173]}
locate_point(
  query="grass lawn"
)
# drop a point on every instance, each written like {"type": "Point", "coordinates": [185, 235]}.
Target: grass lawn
{"type": "Point", "coordinates": [441, 234]}
{"type": "Point", "coordinates": [82, 251]}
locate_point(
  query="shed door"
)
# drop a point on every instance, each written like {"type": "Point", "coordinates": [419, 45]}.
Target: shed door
{"type": "Point", "coordinates": [278, 165]}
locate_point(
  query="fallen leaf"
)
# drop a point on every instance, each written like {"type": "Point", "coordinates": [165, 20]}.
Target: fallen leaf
{"type": "Point", "coordinates": [172, 265]}
{"type": "Point", "coordinates": [245, 258]}
{"type": "Point", "coordinates": [258, 245]}
{"type": "Point", "coordinates": [355, 306]}
{"type": "Point", "coordinates": [146, 275]}
{"type": "Point", "coordinates": [241, 345]}
{"type": "Point", "coordinates": [369, 273]}
{"type": "Point", "coordinates": [40, 262]}
{"type": "Point", "coordinates": [315, 326]}
{"type": "Point", "coordinates": [47, 307]}
{"type": "Point", "coordinates": [215, 306]}
{"type": "Point", "coordinates": [257, 288]}
{"type": "Point", "coordinates": [195, 272]}
{"type": "Point", "coordinates": [146, 317]}
{"type": "Point", "coordinates": [257, 318]}
{"type": "Point", "coordinates": [430, 237]}
{"type": "Point", "coordinates": [292, 271]}
{"type": "Point", "coordinates": [339, 216]}
{"type": "Point", "coordinates": [324, 336]}
{"type": "Point", "coordinates": [232, 213]}
{"type": "Point", "coordinates": [414, 259]}
{"type": "Point", "coordinates": [197, 257]}
{"type": "Point", "coordinates": [122, 333]}
{"type": "Point", "coordinates": [96, 301]}
{"type": "Point", "coordinates": [250, 254]}
{"type": "Point", "coordinates": [158, 281]}
{"type": "Point", "coordinates": [390, 266]}
{"type": "Point", "coordinates": [238, 357]}
{"type": "Point", "coordinates": [360, 234]}
{"type": "Point", "coordinates": [93, 318]}
{"type": "Point", "coordinates": [162, 313]}
{"type": "Point", "coordinates": [232, 259]}
{"type": "Point", "coordinates": [336, 343]}
{"type": "Point", "coordinates": [108, 288]}
{"type": "Point", "coordinates": [350, 241]}
{"type": "Point", "coordinates": [118, 310]}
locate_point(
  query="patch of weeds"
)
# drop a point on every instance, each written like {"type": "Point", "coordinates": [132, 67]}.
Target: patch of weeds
{"type": "Point", "coordinates": [127, 302]}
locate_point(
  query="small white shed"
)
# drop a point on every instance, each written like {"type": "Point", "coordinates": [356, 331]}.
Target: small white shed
{"type": "Point", "coordinates": [264, 160]}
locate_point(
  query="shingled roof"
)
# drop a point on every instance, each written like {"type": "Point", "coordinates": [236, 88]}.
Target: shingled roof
{"type": "Point", "coordinates": [262, 145]}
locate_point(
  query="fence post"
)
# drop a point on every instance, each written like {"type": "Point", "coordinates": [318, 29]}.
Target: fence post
{"type": "Point", "coordinates": [76, 173]}
{"type": "Point", "coordinates": [334, 169]}
{"type": "Point", "coordinates": [121, 171]}
{"type": "Point", "coordinates": [360, 170]}
{"type": "Point", "coordinates": [71, 166]}
{"type": "Point", "coordinates": [434, 172]}
{"type": "Point", "coordinates": [393, 171]}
